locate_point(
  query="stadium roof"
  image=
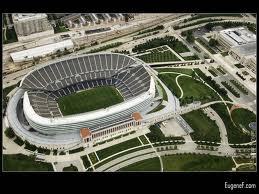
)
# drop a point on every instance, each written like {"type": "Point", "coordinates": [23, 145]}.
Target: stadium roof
{"type": "Point", "coordinates": [40, 51]}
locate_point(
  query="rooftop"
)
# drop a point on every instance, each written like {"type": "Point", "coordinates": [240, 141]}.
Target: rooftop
{"type": "Point", "coordinates": [238, 36]}
{"type": "Point", "coordinates": [28, 16]}
{"type": "Point", "coordinates": [246, 49]}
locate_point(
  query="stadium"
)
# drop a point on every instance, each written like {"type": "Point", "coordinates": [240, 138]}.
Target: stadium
{"type": "Point", "coordinates": [81, 100]}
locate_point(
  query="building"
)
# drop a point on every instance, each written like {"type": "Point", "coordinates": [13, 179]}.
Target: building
{"type": "Point", "coordinates": [31, 26]}
{"type": "Point", "coordinates": [241, 44]}
{"type": "Point", "coordinates": [235, 37]}
{"type": "Point", "coordinates": [41, 51]}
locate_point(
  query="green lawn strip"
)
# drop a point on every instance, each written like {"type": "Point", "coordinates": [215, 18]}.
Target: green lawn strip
{"type": "Point", "coordinates": [19, 141]}
{"type": "Point", "coordinates": [9, 132]}
{"type": "Point", "coordinates": [158, 108]}
{"type": "Point", "coordinates": [19, 162]}
{"type": "Point", "coordinates": [93, 157]}
{"type": "Point", "coordinates": [156, 135]}
{"type": "Point", "coordinates": [231, 89]}
{"type": "Point", "coordinates": [70, 168]}
{"type": "Point", "coordinates": [239, 86]}
{"type": "Point", "coordinates": [191, 162]}
{"type": "Point", "coordinates": [159, 57]}
{"type": "Point", "coordinates": [86, 161]}
{"type": "Point", "coordinates": [164, 92]}
{"type": "Point", "coordinates": [239, 66]}
{"type": "Point", "coordinates": [143, 139]}
{"type": "Point", "coordinates": [247, 167]}
{"type": "Point", "coordinates": [220, 69]}
{"type": "Point", "coordinates": [235, 134]}
{"type": "Point", "coordinates": [76, 150]}
{"type": "Point", "coordinates": [213, 72]}
{"type": "Point", "coordinates": [194, 57]}
{"type": "Point", "coordinates": [242, 117]}
{"type": "Point", "coordinates": [104, 153]}
{"type": "Point", "coordinates": [121, 154]}
{"type": "Point", "coordinates": [196, 90]}
{"type": "Point", "coordinates": [169, 81]}
{"type": "Point", "coordinates": [204, 128]}
{"type": "Point", "coordinates": [151, 164]}
{"type": "Point", "coordinates": [103, 97]}
{"type": "Point", "coordinates": [240, 160]}
{"type": "Point", "coordinates": [177, 70]}
{"type": "Point", "coordinates": [224, 54]}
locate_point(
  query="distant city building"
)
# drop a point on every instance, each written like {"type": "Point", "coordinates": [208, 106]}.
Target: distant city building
{"type": "Point", "coordinates": [241, 44]}
{"type": "Point", "coordinates": [42, 51]}
{"type": "Point", "coordinates": [31, 26]}
{"type": "Point", "coordinates": [235, 37]}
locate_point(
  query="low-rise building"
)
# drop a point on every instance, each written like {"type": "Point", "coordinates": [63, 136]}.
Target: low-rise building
{"type": "Point", "coordinates": [41, 51]}
{"type": "Point", "coordinates": [31, 26]}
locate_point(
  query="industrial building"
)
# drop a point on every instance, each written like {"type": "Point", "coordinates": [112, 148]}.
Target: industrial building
{"type": "Point", "coordinates": [241, 44]}
{"type": "Point", "coordinates": [31, 26]}
{"type": "Point", "coordinates": [41, 51]}
{"type": "Point", "coordinates": [235, 37]}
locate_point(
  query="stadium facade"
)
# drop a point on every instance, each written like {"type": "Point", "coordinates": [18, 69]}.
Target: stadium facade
{"type": "Point", "coordinates": [33, 111]}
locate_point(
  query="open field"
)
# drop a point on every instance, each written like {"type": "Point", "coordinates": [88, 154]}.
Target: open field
{"type": "Point", "coordinates": [242, 117]}
{"type": "Point", "coordinates": [159, 57]}
{"type": "Point", "coordinates": [191, 162]}
{"type": "Point", "coordinates": [169, 81]}
{"type": "Point", "coordinates": [151, 164]}
{"type": "Point", "coordinates": [19, 162]}
{"type": "Point", "coordinates": [235, 134]}
{"type": "Point", "coordinates": [204, 128]}
{"type": "Point", "coordinates": [104, 153]}
{"type": "Point", "coordinates": [89, 100]}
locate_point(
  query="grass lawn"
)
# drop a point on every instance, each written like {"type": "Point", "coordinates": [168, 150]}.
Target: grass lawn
{"type": "Point", "coordinates": [177, 70]}
{"type": "Point", "coordinates": [86, 161]}
{"type": "Point", "coordinates": [159, 57]}
{"type": "Point", "coordinates": [164, 92]}
{"type": "Point", "coordinates": [243, 160]}
{"type": "Point", "coordinates": [19, 162]}
{"type": "Point", "coordinates": [239, 66]}
{"type": "Point", "coordinates": [213, 72]}
{"type": "Point", "coordinates": [196, 89]}
{"type": "Point", "coordinates": [247, 167]}
{"type": "Point", "coordinates": [104, 153]}
{"type": "Point", "coordinates": [7, 90]}
{"type": "Point", "coordinates": [70, 168]}
{"type": "Point", "coordinates": [169, 81]}
{"type": "Point", "coordinates": [194, 57]}
{"type": "Point", "coordinates": [151, 164]}
{"type": "Point", "coordinates": [242, 117]}
{"type": "Point", "coordinates": [235, 134]}
{"type": "Point", "coordinates": [205, 44]}
{"type": "Point", "coordinates": [121, 155]}
{"type": "Point", "coordinates": [204, 128]}
{"type": "Point", "coordinates": [93, 158]}
{"type": "Point", "coordinates": [143, 139]}
{"type": "Point", "coordinates": [158, 108]}
{"type": "Point", "coordinates": [89, 100]}
{"type": "Point", "coordinates": [190, 162]}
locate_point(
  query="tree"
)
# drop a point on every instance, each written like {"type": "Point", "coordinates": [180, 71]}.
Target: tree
{"type": "Point", "coordinates": [213, 42]}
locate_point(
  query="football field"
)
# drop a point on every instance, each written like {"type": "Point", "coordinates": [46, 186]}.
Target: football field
{"type": "Point", "coordinates": [89, 100]}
